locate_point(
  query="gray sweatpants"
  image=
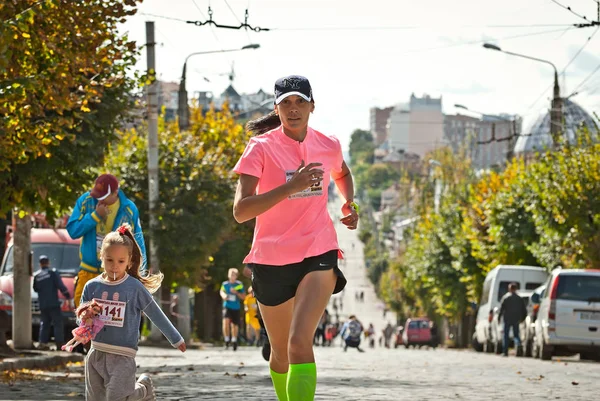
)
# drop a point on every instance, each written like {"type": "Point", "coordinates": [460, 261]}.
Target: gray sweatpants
{"type": "Point", "coordinates": [111, 377]}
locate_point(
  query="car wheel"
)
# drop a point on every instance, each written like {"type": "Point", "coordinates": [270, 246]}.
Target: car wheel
{"type": "Point", "coordinates": [478, 347]}
{"type": "Point", "coordinates": [545, 351]}
{"type": "Point", "coordinates": [590, 356]}
{"type": "Point", "coordinates": [498, 348]}
{"type": "Point", "coordinates": [529, 348]}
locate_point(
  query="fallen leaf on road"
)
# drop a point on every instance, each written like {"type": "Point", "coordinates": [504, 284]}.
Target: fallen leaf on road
{"type": "Point", "coordinates": [73, 394]}
{"type": "Point", "coordinates": [519, 372]}
{"type": "Point", "coordinates": [239, 376]}
{"type": "Point", "coordinates": [575, 383]}
{"type": "Point", "coordinates": [226, 374]}
{"type": "Point", "coordinates": [191, 368]}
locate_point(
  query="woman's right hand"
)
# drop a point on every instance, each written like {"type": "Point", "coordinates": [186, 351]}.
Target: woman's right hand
{"type": "Point", "coordinates": [305, 177]}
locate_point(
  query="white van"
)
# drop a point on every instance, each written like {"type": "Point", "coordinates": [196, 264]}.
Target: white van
{"type": "Point", "coordinates": [495, 287]}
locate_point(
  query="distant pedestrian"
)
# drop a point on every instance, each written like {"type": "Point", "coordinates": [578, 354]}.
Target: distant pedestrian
{"type": "Point", "coordinates": [285, 172]}
{"type": "Point", "coordinates": [435, 340]}
{"type": "Point", "coordinates": [232, 292]}
{"type": "Point", "coordinates": [252, 323]}
{"type": "Point", "coordinates": [97, 213]}
{"type": "Point", "coordinates": [388, 331]}
{"type": "Point", "coordinates": [351, 332]}
{"type": "Point", "coordinates": [370, 335]}
{"type": "Point", "coordinates": [47, 282]}
{"type": "Point", "coordinates": [110, 367]}
{"type": "Point", "coordinates": [513, 311]}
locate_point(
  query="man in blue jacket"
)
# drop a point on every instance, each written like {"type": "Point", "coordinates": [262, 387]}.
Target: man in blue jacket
{"type": "Point", "coordinates": [47, 282]}
{"type": "Point", "coordinates": [97, 213]}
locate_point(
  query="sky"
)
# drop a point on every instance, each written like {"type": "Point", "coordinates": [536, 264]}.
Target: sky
{"type": "Point", "coordinates": [361, 54]}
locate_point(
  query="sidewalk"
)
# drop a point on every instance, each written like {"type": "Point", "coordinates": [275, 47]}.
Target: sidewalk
{"type": "Point", "coordinates": [38, 360]}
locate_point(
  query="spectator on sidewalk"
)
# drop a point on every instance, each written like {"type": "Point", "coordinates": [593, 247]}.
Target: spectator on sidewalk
{"type": "Point", "coordinates": [514, 312]}
{"type": "Point", "coordinates": [47, 282]}
{"type": "Point", "coordinates": [232, 293]}
{"type": "Point", "coordinates": [97, 213]}
{"type": "Point", "coordinates": [351, 332]}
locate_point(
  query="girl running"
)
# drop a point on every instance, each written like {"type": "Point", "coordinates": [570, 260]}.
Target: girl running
{"type": "Point", "coordinates": [123, 295]}
{"type": "Point", "coordinates": [284, 176]}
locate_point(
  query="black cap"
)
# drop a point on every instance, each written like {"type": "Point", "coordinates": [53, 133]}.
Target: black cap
{"type": "Point", "coordinates": [292, 85]}
{"type": "Point", "coordinates": [44, 258]}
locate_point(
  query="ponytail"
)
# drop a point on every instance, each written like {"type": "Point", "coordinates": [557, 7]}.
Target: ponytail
{"type": "Point", "coordinates": [124, 236]}
{"type": "Point", "coordinates": [264, 124]}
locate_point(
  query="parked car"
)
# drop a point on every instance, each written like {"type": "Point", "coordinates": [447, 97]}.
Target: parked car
{"type": "Point", "coordinates": [568, 320]}
{"type": "Point", "coordinates": [495, 286]}
{"type": "Point", "coordinates": [527, 327]}
{"type": "Point", "coordinates": [63, 252]}
{"type": "Point", "coordinates": [417, 332]}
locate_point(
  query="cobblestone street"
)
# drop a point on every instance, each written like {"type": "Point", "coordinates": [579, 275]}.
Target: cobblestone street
{"type": "Point", "coordinates": [378, 374]}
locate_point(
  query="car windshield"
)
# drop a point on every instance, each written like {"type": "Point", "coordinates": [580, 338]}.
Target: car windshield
{"type": "Point", "coordinates": [413, 325]}
{"type": "Point", "coordinates": [574, 287]}
{"type": "Point", "coordinates": [63, 257]}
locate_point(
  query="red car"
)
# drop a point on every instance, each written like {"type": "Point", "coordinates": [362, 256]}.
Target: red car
{"type": "Point", "coordinates": [417, 332]}
{"type": "Point", "coordinates": [63, 252]}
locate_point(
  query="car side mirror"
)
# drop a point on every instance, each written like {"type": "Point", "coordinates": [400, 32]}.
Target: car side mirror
{"type": "Point", "coordinates": [535, 298]}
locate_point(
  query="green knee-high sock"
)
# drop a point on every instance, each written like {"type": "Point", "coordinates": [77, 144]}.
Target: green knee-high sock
{"type": "Point", "coordinates": [280, 384]}
{"type": "Point", "coordinates": [302, 382]}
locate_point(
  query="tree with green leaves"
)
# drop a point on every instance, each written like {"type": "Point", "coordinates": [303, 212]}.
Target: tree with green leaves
{"type": "Point", "coordinates": [196, 237]}
{"type": "Point", "coordinates": [57, 58]}
{"type": "Point", "coordinates": [64, 87]}
{"type": "Point", "coordinates": [362, 147]}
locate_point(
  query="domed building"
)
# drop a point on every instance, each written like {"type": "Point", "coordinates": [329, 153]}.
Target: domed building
{"type": "Point", "coordinates": [539, 138]}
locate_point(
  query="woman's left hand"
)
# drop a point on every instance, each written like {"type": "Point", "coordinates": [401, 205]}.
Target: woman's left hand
{"type": "Point", "coordinates": [350, 218]}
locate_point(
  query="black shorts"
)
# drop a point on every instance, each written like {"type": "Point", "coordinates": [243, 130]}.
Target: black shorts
{"type": "Point", "coordinates": [232, 314]}
{"type": "Point", "coordinates": [274, 285]}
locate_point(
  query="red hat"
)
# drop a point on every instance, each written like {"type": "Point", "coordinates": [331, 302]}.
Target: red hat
{"type": "Point", "coordinates": [105, 185]}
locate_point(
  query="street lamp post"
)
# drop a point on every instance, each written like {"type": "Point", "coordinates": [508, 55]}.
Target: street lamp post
{"type": "Point", "coordinates": [557, 102]}
{"type": "Point", "coordinates": [182, 109]}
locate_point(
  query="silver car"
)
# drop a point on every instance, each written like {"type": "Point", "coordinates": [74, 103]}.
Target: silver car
{"type": "Point", "coordinates": [568, 320]}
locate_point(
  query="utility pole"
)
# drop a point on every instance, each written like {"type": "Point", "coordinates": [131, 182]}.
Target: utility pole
{"type": "Point", "coordinates": [152, 112]}
{"type": "Point", "coordinates": [182, 107]}
{"type": "Point", "coordinates": [22, 270]}
{"type": "Point", "coordinates": [556, 114]}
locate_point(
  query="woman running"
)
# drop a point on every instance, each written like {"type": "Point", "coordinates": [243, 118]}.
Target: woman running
{"type": "Point", "coordinates": [284, 175]}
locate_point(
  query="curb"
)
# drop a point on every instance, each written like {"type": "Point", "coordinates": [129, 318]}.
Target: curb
{"type": "Point", "coordinates": [42, 361]}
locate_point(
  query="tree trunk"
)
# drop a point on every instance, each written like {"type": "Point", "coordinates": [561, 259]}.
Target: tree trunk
{"type": "Point", "coordinates": [207, 311]}
{"type": "Point", "coordinates": [21, 319]}
{"type": "Point", "coordinates": [183, 320]}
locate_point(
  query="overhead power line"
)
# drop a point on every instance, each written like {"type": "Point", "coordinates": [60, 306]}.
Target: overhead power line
{"type": "Point", "coordinates": [233, 12]}
{"type": "Point", "coordinates": [570, 10]}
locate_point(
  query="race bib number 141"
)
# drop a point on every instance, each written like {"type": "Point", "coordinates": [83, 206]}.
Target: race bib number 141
{"type": "Point", "coordinates": [113, 312]}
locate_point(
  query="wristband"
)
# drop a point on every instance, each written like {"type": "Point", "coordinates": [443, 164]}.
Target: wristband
{"type": "Point", "coordinates": [355, 206]}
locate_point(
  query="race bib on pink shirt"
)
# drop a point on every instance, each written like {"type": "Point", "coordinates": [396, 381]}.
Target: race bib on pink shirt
{"type": "Point", "coordinates": [314, 190]}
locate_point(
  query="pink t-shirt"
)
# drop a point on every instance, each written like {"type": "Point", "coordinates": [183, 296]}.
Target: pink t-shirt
{"type": "Point", "coordinates": [300, 226]}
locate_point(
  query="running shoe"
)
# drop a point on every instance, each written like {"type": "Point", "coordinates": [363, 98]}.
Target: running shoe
{"type": "Point", "coordinates": [146, 381]}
